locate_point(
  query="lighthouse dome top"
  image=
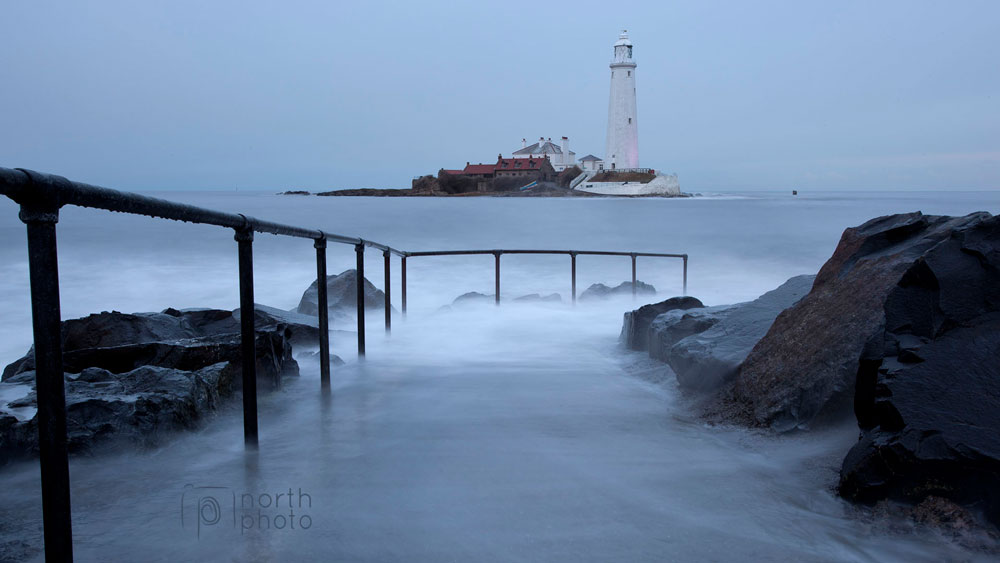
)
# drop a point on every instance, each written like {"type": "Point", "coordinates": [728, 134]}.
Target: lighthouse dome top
{"type": "Point", "coordinates": [623, 51]}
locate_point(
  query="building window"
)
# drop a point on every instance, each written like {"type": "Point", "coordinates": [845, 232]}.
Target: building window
{"type": "Point", "coordinates": [630, 120]}
{"type": "Point", "coordinates": [630, 73]}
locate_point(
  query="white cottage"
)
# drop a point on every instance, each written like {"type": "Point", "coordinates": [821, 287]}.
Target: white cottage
{"type": "Point", "coordinates": [591, 163]}
{"type": "Point", "coordinates": [560, 156]}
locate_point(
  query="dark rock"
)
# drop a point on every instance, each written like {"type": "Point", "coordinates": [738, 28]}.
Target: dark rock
{"type": "Point", "coordinates": [903, 321]}
{"type": "Point", "coordinates": [707, 359]}
{"type": "Point", "coordinates": [635, 328]}
{"type": "Point", "coordinates": [473, 297]}
{"type": "Point", "coordinates": [342, 295]}
{"type": "Point", "coordinates": [302, 330]}
{"type": "Point", "coordinates": [135, 375]}
{"type": "Point", "coordinates": [957, 522]}
{"type": "Point", "coordinates": [137, 406]}
{"type": "Point", "coordinates": [186, 340]}
{"type": "Point", "coordinates": [314, 355]}
{"type": "Point", "coordinates": [428, 185]}
{"type": "Point", "coordinates": [886, 274]}
{"type": "Point", "coordinates": [601, 291]}
{"type": "Point", "coordinates": [931, 427]}
{"type": "Point", "coordinates": [671, 327]}
{"type": "Point", "coordinates": [536, 298]}
{"type": "Point", "coordinates": [375, 192]}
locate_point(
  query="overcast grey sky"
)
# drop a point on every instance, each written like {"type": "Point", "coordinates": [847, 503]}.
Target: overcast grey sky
{"type": "Point", "coordinates": [320, 95]}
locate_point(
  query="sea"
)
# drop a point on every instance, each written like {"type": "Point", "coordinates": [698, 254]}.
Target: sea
{"type": "Point", "coordinates": [519, 432]}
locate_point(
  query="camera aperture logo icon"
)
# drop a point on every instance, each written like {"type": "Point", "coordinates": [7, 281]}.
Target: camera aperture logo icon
{"type": "Point", "coordinates": [216, 507]}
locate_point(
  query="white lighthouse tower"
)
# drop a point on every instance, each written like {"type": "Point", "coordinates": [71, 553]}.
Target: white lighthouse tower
{"type": "Point", "coordinates": [623, 127]}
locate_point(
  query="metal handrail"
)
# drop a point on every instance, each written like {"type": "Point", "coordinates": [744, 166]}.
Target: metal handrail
{"type": "Point", "coordinates": [21, 185]}
{"type": "Point", "coordinates": [497, 253]}
{"type": "Point", "coordinates": [40, 197]}
{"type": "Point", "coordinates": [566, 252]}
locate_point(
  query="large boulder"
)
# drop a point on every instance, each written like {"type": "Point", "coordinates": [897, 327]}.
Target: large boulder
{"type": "Point", "coordinates": [302, 330]}
{"type": "Point", "coordinates": [705, 347]}
{"type": "Point", "coordinates": [668, 329]}
{"type": "Point", "coordinates": [601, 291]}
{"type": "Point", "coordinates": [185, 340]}
{"type": "Point", "coordinates": [635, 327]}
{"type": "Point", "coordinates": [476, 298]}
{"type": "Point", "coordinates": [806, 365]}
{"type": "Point", "coordinates": [135, 375]}
{"type": "Point", "coordinates": [341, 296]}
{"type": "Point", "coordinates": [929, 414]}
{"type": "Point", "coordinates": [136, 406]}
{"type": "Point", "coordinates": [927, 396]}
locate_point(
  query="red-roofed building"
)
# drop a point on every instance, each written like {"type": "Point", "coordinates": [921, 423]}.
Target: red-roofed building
{"type": "Point", "coordinates": [530, 168]}
{"type": "Point", "coordinates": [482, 173]}
{"type": "Point", "coordinates": [534, 168]}
{"type": "Point", "coordinates": [481, 170]}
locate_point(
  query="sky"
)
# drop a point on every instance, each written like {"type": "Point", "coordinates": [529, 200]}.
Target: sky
{"type": "Point", "coordinates": [327, 95]}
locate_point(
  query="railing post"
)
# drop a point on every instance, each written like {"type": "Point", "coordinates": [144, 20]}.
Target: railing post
{"type": "Point", "coordinates": [496, 288]}
{"type": "Point", "coordinates": [572, 267]}
{"type": "Point", "coordinates": [633, 276]}
{"type": "Point", "coordinates": [57, 521]}
{"type": "Point", "coordinates": [685, 291]}
{"type": "Point", "coordinates": [359, 249]}
{"type": "Point", "coordinates": [324, 314]}
{"type": "Point", "coordinates": [388, 294]}
{"type": "Point", "coordinates": [402, 283]}
{"type": "Point", "coordinates": [248, 346]}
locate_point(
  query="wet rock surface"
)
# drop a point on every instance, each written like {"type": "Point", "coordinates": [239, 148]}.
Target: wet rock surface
{"type": "Point", "coordinates": [473, 297]}
{"type": "Point", "coordinates": [707, 359]}
{"type": "Point", "coordinates": [928, 380]}
{"type": "Point", "coordinates": [134, 376]}
{"type": "Point", "coordinates": [806, 365]}
{"type": "Point", "coordinates": [705, 345]}
{"type": "Point", "coordinates": [668, 329]}
{"type": "Point", "coordinates": [601, 291]}
{"type": "Point", "coordinates": [342, 296]}
{"type": "Point", "coordinates": [635, 328]}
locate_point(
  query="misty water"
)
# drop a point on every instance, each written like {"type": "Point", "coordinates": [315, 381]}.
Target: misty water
{"type": "Point", "coordinates": [521, 432]}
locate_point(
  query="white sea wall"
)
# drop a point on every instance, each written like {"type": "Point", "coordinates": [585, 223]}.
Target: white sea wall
{"type": "Point", "coordinates": [662, 184]}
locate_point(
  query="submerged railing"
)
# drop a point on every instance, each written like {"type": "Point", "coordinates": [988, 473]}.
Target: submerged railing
{"type": "Point", "coordinates": [42, 195]}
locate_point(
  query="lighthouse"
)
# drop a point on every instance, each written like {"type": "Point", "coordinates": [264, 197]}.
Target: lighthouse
{"type": "Point", "coordinates": [623, 128]}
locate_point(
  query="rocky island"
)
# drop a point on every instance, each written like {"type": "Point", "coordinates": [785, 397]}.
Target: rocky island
{"type": "Point", "coordinates": [536, 179]}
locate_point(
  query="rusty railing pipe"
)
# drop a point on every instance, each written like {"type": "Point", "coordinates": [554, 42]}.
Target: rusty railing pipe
{"type": "Point", "coordinates": [40, 219]}
{"type": "Point", "coordinates": [572, 268]}
{"type": "Point", "coordinates": [388, 292]}
{"type": "Point", "coordinates": [496, 288]}
{"type": "Point", "coordinates": [322, 301]}
{"type": "Point", "coordinates": [402, 283]}
{"type": "Point", "coordinates": [248, 346]}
